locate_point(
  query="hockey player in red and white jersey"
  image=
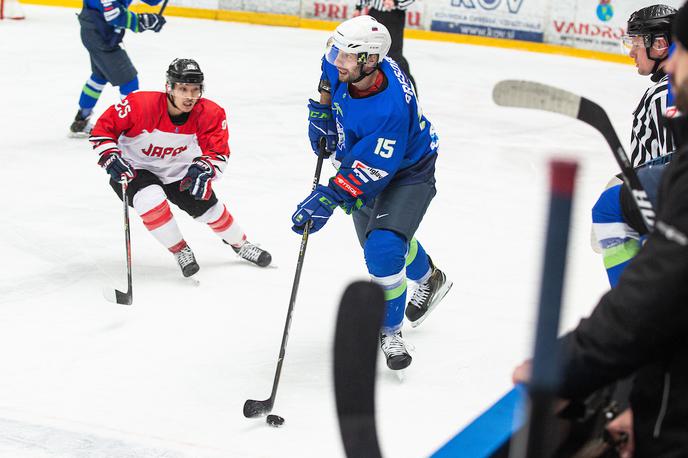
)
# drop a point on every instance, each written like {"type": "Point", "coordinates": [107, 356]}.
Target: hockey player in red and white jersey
{"type": "Point", "coordinates": [170, 147]}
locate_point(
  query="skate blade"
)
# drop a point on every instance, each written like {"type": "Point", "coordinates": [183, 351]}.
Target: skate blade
{"type": "Point", "coordinates": [438, 298]}
{"type": "Point", "coordinates": [78, 135]}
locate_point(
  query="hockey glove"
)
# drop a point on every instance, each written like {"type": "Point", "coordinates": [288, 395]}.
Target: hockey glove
{"type": "Point", "coordinates": [350, 207]}
{"type": "Point", "coordinates": [150, 21]}
{"type": "Point", "coordinates": [117, 167]}
{"type": "Point", "coordinates": [321, 124]}
{"type": "Point", "coordinates": [198, 179]}
{"type": "Point", "coordinates": [315, 210]}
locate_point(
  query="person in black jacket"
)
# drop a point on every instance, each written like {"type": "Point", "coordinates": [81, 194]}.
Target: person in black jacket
{"type": "Point", "coordinates": [641, 326]}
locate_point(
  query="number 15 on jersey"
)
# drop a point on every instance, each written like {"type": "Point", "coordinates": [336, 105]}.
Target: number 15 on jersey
{"type": "Point", "coordinates": [385, 147]}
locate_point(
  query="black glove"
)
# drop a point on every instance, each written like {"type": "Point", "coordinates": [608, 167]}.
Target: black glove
{"type": "Point", "coordinates": [150, 21]}
{"type": "Point", "coordinates": [198, 179]}
{"type": "Point", "coordinates": [117, 167]}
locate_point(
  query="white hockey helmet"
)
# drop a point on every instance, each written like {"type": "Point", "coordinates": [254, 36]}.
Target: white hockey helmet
{"type": "Point", "coordinates": [363, 36]}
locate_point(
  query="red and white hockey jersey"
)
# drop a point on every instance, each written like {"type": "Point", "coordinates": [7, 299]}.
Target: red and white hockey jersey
{"type": "Point", "coordinates": [141, 128]}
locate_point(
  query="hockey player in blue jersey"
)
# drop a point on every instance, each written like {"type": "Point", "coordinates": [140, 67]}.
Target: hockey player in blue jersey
{"type": "Point", "coordinates": [103, 23]}
{"type": "Point", "coordinates": [385, 152]}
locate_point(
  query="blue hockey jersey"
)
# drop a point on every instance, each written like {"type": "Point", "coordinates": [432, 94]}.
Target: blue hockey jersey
{"type": "Point", "coordinates": [382, 137]}
{"type": "Point", "coordinates": [112, 17]}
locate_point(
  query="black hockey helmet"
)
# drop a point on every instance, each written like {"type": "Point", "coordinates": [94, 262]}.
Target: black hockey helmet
{"type": "Point", "coordinates": [652, 21]}
{"type": "Point", "coordinates": [184, 71]}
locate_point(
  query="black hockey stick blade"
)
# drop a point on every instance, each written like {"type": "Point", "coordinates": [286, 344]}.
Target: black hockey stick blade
{"type": "Point", "coordinates": [255, 409]}
{"type": "Point", "coordinates": [355, 355]}
{"type": "Point", "coordinates": [117, 296]}
{"type": "Point", "coordinates": [538, 96]}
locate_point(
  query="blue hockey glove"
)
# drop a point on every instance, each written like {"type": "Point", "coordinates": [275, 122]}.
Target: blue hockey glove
{"type": "Point", "coordinates": [150, 21]}
{"type": "Point", "coordinates": [316, 209]}
{"type": "Point", "coordinates": [321, 124]}
{"type": "Point", "coordinates": [350, 207]}
{"type": "Point", "coordinates": [198, 179]}
{"type": "Point", "coordinates": [117, 166]}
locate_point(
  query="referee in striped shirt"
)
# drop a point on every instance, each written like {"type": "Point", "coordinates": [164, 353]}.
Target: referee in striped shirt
{"type": "Point", "coordinates": [647, 41]}
{"type": "Point", "coordinates": [392, 14]}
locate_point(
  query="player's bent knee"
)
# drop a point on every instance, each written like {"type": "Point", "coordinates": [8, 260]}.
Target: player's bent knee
{"type": "Point", "coordinates": [212, 214]}
{"type": "Point", "coordinates": [148, 198]}
{"type": "Point", "coordinates": [385, 253]}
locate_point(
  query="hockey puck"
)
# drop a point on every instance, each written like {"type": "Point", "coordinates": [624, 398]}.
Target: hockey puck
{"type": "Point", "coordinates": [275, 420]}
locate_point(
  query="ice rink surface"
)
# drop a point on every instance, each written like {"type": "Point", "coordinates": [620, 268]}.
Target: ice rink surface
{"type": "Point", "coordinates": [167, 377]}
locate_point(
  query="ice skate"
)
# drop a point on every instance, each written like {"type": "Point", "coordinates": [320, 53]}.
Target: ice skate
{"type": "Point", "coordinates": [187, 261]}
{"type": "Point", "coordinates": [81, 127]}
{"type": "Point", "coordinates": [395, 351]}
{"type": "Point", "coordinates": [253, 253]}
{"type": "Point", "coordinates": [427, 296]}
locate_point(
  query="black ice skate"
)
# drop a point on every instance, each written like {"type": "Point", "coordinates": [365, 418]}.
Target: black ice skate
{"type": "Point", "coordinates": [81, 127]}
{"type": "Point", "coordinates": [395, 351]}
{"type": "Point", "coordinates": [427, 296]}
{"type": "Point", "coordinates": [253, 253]}
{"type": "Point", "coordinates": [187, 261]}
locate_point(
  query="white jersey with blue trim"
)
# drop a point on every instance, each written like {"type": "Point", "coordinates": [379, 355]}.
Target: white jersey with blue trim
{"type": "Point", "coordinates": [383, 137]}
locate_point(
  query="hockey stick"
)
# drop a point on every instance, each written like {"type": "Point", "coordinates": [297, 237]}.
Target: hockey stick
{"type": "Point", "coordinates": [253, 408]}
{"type": "Point", "coordinates": [523, 418]}
{"type": "Point", "coordinates": [539, 437]}
{"type": "Point", "coordinates": [528, 94]}
{"type": "Point", "coordinates": [117, 295]}
{"type": "Point", "coordinates": [162, 8]}
{"type": "Point", "coordinates": [359, 319]}
{"type": "Point", "coordinates": [658, 161]}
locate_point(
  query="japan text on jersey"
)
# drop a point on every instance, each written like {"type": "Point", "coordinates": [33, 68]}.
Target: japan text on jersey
{"type": "Point", "coordinates": [149, 140]}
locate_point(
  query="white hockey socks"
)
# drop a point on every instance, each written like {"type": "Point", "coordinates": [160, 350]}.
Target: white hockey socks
{"type": "Point", "coordinates": [223, 224]}
{"type": "Point", "coordinates": [151, 204]}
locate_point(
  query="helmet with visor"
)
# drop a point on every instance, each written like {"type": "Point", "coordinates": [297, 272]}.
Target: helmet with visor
{"type": "Point", "coordinates": [356, 40]}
